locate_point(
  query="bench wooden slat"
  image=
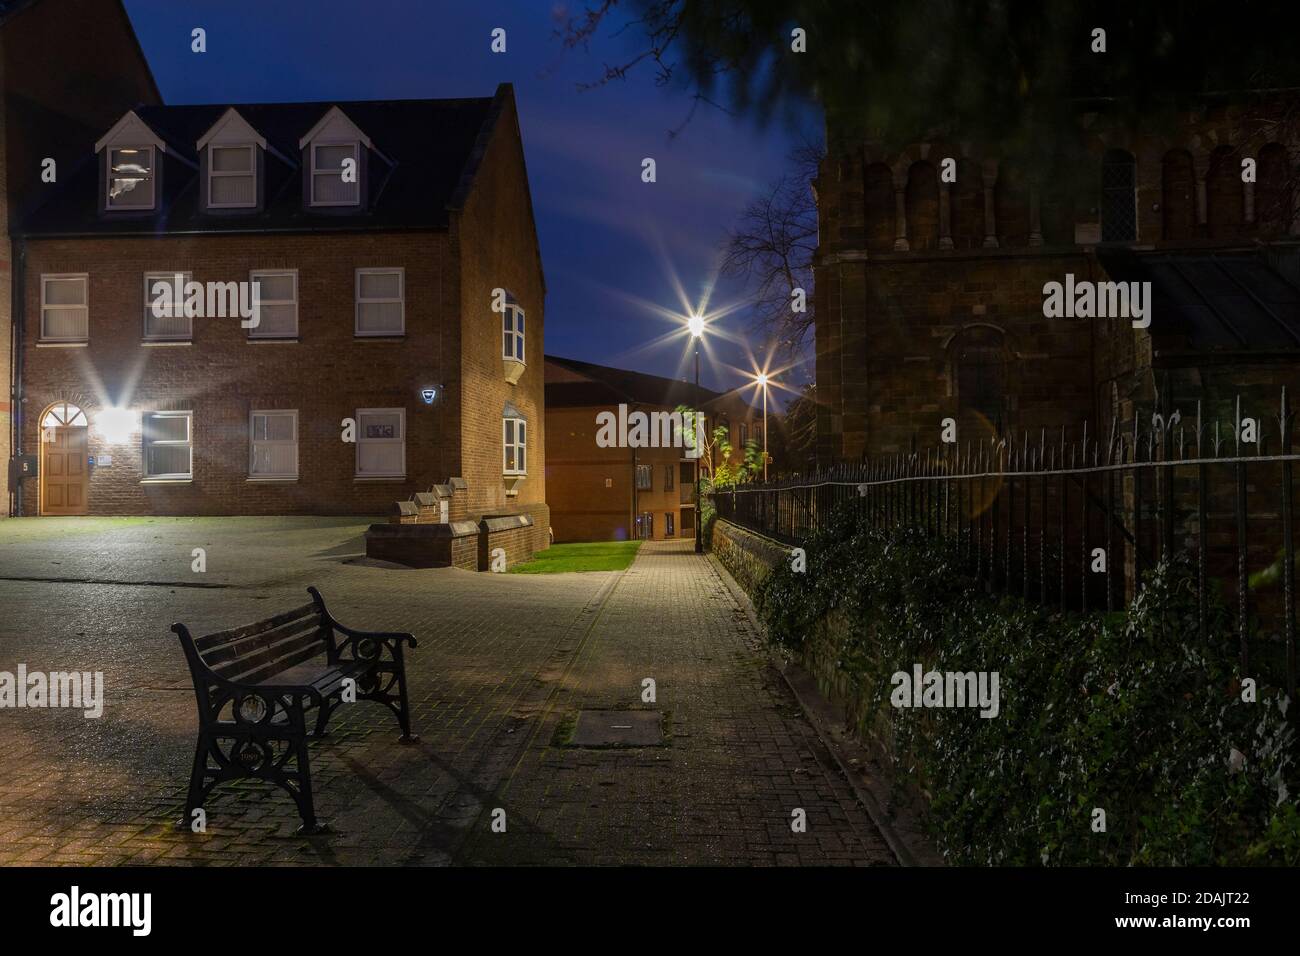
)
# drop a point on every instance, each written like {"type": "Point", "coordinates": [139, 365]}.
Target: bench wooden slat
{"type": "Point", "coordinates": [219, 638]}
{"type": "Point", "coordinates": [265, 673]}
{"type": "Point", "coordinates": [326, 678]}
{"type": "Point", "coordinates": [274, 657]}
{"type": "Point", "coordinates": [220, 659]}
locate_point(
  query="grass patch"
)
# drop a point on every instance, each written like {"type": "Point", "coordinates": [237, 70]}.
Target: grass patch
{"type": "Point", "coordinates": [586, 556]}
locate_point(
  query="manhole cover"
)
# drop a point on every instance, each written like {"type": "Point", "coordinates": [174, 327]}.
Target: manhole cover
{"type": "Point", "coordinates": [618, 728]}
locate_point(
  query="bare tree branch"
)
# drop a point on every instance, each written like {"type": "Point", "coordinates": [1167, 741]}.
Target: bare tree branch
{"type": "Point", "coordinates": [772, 248]}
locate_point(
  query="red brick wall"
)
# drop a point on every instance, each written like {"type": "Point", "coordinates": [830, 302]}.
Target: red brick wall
{"type": "Point", "coordinates": [495, 238]}
{"type": "Point", "coordinates": [519, 544]}
{"type": "Point", "coordinates": [582, 508]}
{"type": "Point", "coordinates": [327, 375]}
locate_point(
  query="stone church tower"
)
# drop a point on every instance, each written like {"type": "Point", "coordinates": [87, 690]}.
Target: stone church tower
{"type": "Point", "coordinates": [929, 288]}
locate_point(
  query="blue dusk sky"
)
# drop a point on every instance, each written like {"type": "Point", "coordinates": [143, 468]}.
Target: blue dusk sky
{"type": "Point", "coordinates": [614, 249]}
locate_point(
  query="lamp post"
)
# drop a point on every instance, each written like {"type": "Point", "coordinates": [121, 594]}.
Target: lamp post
{"type": "Point", "coordinates": [696, 327]}
{"type": "Point", "coordinates": [762, 382]}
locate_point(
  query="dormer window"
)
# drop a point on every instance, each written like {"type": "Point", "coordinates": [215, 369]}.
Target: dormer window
{"type": "Point", "coordinates": [130, 166]}
{"type": "Point", "coordinates": [336, 157]}
{"type": "Point", "coordinates": [231, 156]}
{"type": "Point", "coordinates": [335, 174]}
{"type": "Point", "coordinates": [232, 177]}
{"type": "Point", "coordinates": [130, 177]}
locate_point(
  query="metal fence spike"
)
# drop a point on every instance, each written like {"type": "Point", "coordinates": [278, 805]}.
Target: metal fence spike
{"type": "Point", "coordinates": [1237, 433]}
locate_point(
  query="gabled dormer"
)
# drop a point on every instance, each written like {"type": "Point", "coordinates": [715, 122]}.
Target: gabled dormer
{"type": "Point", "coordinates": [130, 167]}
{"type": "Point", "coordinates": [335, 163]}
{"type": "Point", "coordinates": [232, 166]}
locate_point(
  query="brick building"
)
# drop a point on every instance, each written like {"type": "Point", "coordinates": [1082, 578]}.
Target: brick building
{"type": "Point", "coordinates": [930, 298]}
{"type": "Point", "coordinates": [69, 68]}
{"type": "Point", "coordinates": [393, 248]}
{"type": "Point", "coordinates": [617, 493]}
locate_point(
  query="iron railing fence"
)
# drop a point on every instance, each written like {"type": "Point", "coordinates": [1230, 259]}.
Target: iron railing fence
{"type": "Point", "coordinates": [1034, 518]}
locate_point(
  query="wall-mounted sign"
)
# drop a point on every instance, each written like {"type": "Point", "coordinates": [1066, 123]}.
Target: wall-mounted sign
{"type": "Point", "coordinates": [430, 394]}
{"type": "Point", "coordinates": [21, 466]}
{"type": "Point", "coordinates": [105, 461]}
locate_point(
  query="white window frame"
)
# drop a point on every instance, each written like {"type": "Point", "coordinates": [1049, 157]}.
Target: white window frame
{"type": "Point", "coordinates": [254, 332]}
{"type": "Point", "coordinates": [401, 413]}
{"type": "Point", "coordinates": [516, 331]}
{"type": "Point", "coordinates": [146, 442]}
{"type": "Point", "coordinates": [147, 311]}
{"type": "Point", "coordinates": [85, 305]}
{"type": "Point", "coordinates": [253, 442]}
{"type": "Point", "coordinates": [400, 300]}
{"type": "Point", "coordinates": [520, 444]}
{"type": "Point", "coordinates": [108, 179]}
{"type": "Point", "coordinates": [214, 173]}
{"type": "Point", "coordinates": [356, 154]}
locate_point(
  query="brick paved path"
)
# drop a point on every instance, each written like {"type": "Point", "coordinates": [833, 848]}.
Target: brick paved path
{"type": "Point", "coordinates": [504, 664]}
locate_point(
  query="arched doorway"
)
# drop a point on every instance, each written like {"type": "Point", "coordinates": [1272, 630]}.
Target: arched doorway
{"type": "Point", "coordinates": [64, 475]}
{"type": "Point", "coordinates": [979, 377]}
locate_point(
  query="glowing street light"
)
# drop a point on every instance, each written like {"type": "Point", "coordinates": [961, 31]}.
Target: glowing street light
{"type": "Point", "coordinates": [696, 326]}
{"type": "Point", "coordinates": [761, 381]}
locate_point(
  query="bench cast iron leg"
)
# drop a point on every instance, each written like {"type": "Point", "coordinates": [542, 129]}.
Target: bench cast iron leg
{"type": "Point", "coordinates": [404, 707]}
{"type": "Point", "coordinates": [303, 796]}
{"type": "Point", "coordinates": [197, 791]}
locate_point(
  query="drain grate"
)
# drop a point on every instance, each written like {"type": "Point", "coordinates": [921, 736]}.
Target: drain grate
{"type": "Point", "coordinates": [618, 728]}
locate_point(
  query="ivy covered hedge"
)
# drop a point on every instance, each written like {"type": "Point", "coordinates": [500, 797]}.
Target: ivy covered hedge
{"type": "Point", "coordinates": [1126, 712]}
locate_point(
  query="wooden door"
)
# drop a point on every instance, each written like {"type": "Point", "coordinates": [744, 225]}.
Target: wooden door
{"type": "Point", "coordinates": [65, 477]}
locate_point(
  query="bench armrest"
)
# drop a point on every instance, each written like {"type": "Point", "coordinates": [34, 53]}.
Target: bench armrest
{"type": "Point", "coordinates": [393, 640]}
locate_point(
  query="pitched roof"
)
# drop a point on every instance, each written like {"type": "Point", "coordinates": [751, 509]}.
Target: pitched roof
{"type": "Point", "coordinates": [429, 146]}
{"type": "Point", "coordinates": [573, 384]}
{"type": "Point", "coordinates": [1213, 303]}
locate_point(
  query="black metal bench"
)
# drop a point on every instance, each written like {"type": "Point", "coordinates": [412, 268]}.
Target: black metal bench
{"type": "Point", "coordinates": [256, 687]}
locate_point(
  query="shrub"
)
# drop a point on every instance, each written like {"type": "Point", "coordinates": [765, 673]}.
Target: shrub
{"type": "Point", "coordinates": [1127, 712]}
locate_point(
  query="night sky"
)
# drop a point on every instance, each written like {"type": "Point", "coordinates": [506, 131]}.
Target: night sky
{"type": "Point", "coordinates": [613, 248]}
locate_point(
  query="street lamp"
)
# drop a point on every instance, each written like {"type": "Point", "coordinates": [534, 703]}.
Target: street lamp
{"type": "Point", "coordinates": [761, 380]}
{"type": "Point", "coordinates": [696, 327]}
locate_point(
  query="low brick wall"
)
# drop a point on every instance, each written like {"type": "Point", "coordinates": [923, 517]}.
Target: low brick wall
{"type": "Point", "coordinates": [514, 534]}
{"type": "Point", "coordinates": [750, 558]}
{"type": "Point", "coordinates": [454, 544]}
{"type": "Point", "coordinates": [747, 556]}
{"type": "Point", "coordinates": [457, 544]}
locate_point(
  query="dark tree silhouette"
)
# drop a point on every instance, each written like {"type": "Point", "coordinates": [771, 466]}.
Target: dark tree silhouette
{"type": "Point", "coordinates": [1001, 71]}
